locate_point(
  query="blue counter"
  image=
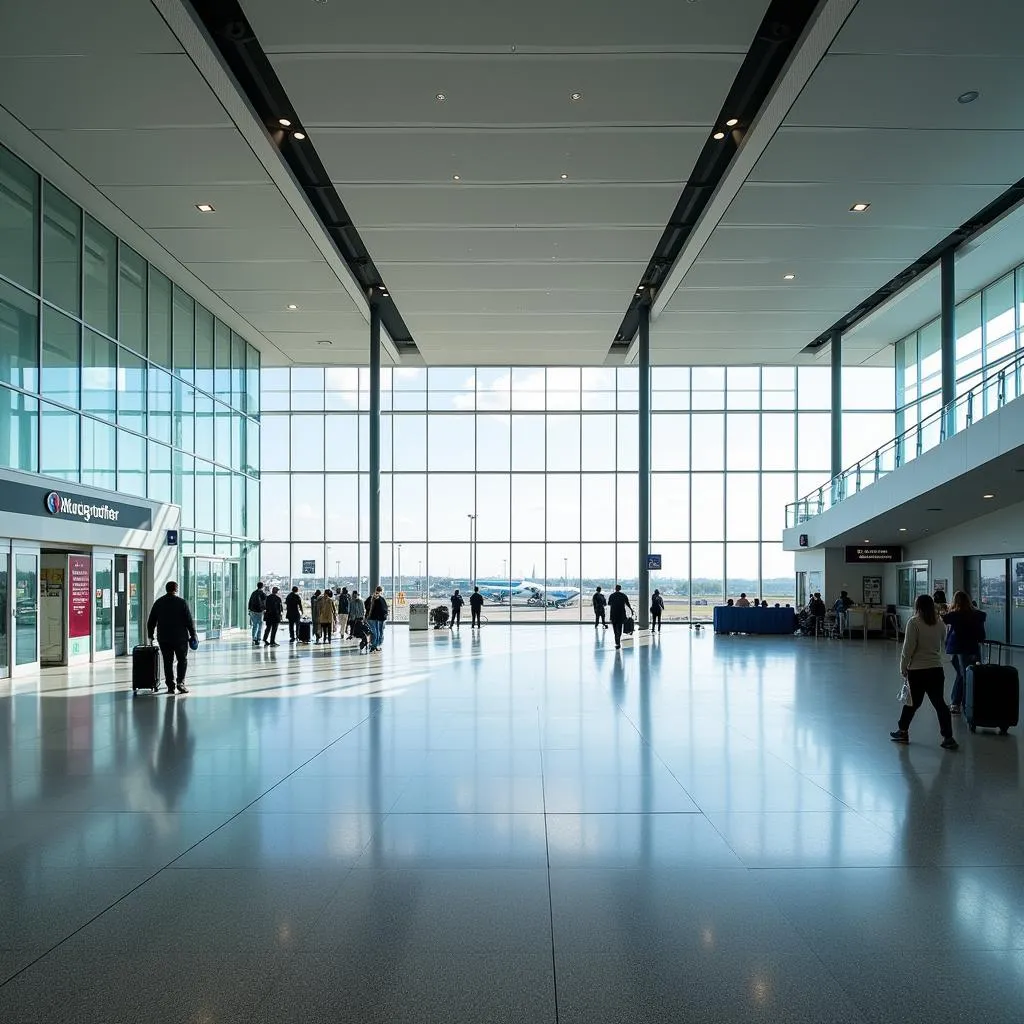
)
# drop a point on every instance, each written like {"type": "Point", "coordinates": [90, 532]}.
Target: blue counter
{"type": "Point", "coordinates": [754, 620]}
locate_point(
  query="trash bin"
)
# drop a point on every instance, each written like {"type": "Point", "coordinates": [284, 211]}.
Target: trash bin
{"type": "Point", "coordinates": [419, 615]}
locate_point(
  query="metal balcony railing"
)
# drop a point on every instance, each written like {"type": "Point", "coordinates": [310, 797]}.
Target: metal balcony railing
{"type": "Point", "coordinates": [998, 383]}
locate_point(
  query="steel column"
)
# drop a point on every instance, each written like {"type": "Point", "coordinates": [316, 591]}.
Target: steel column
{"type": "Point", "coordinates": [947, 327]}
{"type": "Point", "coordinates": [374, 445]}
{"type": "Point", "coordinates": [644, 433]}
{"type": "Point", "coordinates": [836, 352]}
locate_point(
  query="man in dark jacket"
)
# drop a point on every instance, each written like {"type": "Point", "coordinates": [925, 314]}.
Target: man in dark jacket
{"type": "Point", "coordinates": [314, 611]}
{"type": "Point", "coordinates": [172, 623]}
{"type": "Point", "coordinates": [376, 618]}
{"type": "Point", "coordinates": [257, 605]}
{"type": "Point", "coordinates": [599, 604]}
{"type": "Point", "coordinates": [343, 607]}
{"type": "Point", "coordinates": [272, 618]}
{"type": "Point", "coordinates": [617, 605]}
{"type": "Point", "coordinates": [657, 607]}
{"type": "Point", "coordinates": [293, 613]}
{"type": "Point", "coordinates": [476, 603]}
{"type": "Point", "coordinates": [457, 603]}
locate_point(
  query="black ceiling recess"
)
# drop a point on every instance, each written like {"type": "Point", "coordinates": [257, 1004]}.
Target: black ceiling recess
{"type": "Point", "coordinates": [231, 33]}
{"type": "Point", "coordinates": [777, 35]}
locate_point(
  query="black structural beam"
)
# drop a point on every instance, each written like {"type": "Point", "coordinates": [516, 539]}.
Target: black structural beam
{"type": "Point", "coordinates": [776, 37]}
{"type": "Point", "coordinates": [227, 26]}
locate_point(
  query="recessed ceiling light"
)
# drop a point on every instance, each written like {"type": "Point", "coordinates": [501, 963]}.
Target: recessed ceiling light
{"type": "Point", "coordinates": [384, 294]}
{"type": "Point", "coordinates": [204, 207]}
{"type": "Point", "coordinates": [456, 177]}
{"type": "Point", "coordinates": [789, 277]}
{"type": "Point", "coordinates": [325, 341]}
{"type": "Point", "coordinates": [718, 136]}
{"type": "Point", "coordinates": [968, 97]}
{"type": "Point", "coordinates": [440, 97]}
{"type": "Point", "coordinates": [732, 122]}
{"type": "Point", "coordinates": [291, 305]}
{"type": "Point", "coordinates": [575, 96]}
{"type": "Point", "coordinates": [299, 136]}
{"type": "Point", "coordinates": [284, 122]}
{"type": "Point", "coordinates": [988, 495]}
{"type": "Point", "coordinates": [903, 529]}
{"type": "Point", "coordinates": [859, 207]}
{"type": "Point", "coordinates": [565, 177]}
{"type": "Point", "coordinates": [866, 541]}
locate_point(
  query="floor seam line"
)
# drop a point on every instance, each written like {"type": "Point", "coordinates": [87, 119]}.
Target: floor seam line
{"type": "Point", "coordinates": [547, 857]}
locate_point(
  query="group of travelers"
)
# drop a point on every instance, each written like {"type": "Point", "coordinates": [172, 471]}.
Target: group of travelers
{"type": "Point", "coordinates": [349, 617]}
{"type": "Point", "coordinates": [458, 602]}
{"type": "Point", "coordinates": [744, 602]}
{"type": "Point", "coordinates": [619, 611]}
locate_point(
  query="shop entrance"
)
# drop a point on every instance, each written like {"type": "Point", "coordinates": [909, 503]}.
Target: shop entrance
{"type": "Point", "coordinates": [129, 611]}
{"type": "Point", "coordinates": [211, 589]}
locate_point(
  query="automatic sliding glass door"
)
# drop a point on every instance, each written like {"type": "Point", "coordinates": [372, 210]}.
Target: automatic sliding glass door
{"type": "Point", "coordinates": [26, 611]}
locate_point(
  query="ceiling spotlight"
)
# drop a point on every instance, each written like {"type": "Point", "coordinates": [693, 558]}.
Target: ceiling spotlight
{"type": "Point", "coordinates": [440, 97]}
{"type": "Point", "coordinates": [299, 136]}
{"type": "Point", "coordinates": [456, 177]}
{"type": "Point", "coordinates": [866, 541]}
{"type": "Point", "coordinates": [789, 277]}
{"type": "Point", "coordinates": [575, 96]}
{"type": "Point", "coordinates": [718, 136]}
{"type": "Point", "coordinates": [903, 529]}
{"type": "Point", "coordinates": [291, 305]}
{"type": "Point", "coordinates": [565, 177]}
{"type": "Point", "coordinates": [968, 97]}
{"type": "Point", "coordinates": [384, 294]}
{"type": "Point", "coordinates": [732, 122]}
{"type": "Point", "coordinates": [284, 122]}
{"type": "Point", "coordinates": [204, 207]}
{"type": "Point", "coordinates": [859, 207]}
{"type": "Point", "coordinates": [988, 495]}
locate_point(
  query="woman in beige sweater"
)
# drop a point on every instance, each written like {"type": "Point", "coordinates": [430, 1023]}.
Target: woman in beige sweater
{"type": "Point", "coordinates": [921, 666]}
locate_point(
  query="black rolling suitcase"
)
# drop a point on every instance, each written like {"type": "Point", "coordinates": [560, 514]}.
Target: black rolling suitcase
{"type": "Point", "coordinates": [305, 631]}
{"type": "Point", "coordinates": [992, 693]}
{"type": "Point", "coordinates": [145, 668]}
{"type": "Point", "coordinates": [627, 627]}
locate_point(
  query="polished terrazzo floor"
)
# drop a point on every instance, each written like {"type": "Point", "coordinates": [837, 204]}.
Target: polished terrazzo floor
{"type": "Point", "coordinates": [521, 826]}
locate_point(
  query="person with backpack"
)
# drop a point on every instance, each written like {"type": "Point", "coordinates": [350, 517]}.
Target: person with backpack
{"type": "Point", "coordinates": [344, 603]}
{"type": "Point", "coordinates": [355, 620]}
{"type": "Point", "coordinates": [599, 602]}
{"type": "Point", "coordinates": [377, 617]}
{"type": "Point", "coordinates": [328, 614]}
{"type": "Point", "coordinates": [657, 607]}
{"type": "Point", "coordinates": [314, 605]}
{"type": "Point", "coordinates": [293, 613]}
{"type": "Point", "coordinates": [457, 603]}
{"type": "Point", "coordinates": [257, 605]}
{"type": "Point", "coordinates": [965, 633]}
{"type": "Point", "coordinates": [272, 613]}
{"type": "Point", "coordinates": [476, 604]}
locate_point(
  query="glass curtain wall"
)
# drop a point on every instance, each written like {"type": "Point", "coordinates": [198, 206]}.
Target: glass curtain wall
{"type": "Point", "coordinates": [112, 377]}
{"type": "Point", "coordinates": [525, 481]}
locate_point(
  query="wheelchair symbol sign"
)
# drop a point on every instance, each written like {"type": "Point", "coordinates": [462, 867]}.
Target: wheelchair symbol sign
{"type": "Point", "coordinates": [654, 561]}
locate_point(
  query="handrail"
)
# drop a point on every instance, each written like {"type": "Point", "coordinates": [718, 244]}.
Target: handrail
{"type": "Point", "coordinates": [1004, 375]}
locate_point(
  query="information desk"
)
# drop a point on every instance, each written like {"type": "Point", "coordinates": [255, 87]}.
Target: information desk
{"type": "Point", "coordinates": [754, 620]}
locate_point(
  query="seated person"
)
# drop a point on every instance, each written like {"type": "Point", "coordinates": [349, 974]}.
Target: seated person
{"type": "Point", "coordinates": [743, 602]}
{"type": "Point", "coordinates": [764, 604]}
{"type": "Point", "coordinates": [816, 606]}
{"type": "Point", "coordinates": [729, 603]}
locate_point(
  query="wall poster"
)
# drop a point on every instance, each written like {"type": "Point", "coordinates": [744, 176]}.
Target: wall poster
{"type": "Point", "coordinates": [872, 590]}
{"type": "Point", "coordinates": [79, 596]}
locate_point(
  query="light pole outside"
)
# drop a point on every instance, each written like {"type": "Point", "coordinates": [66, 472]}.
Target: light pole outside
{"type": "Point", "coordinates": [399, 572]}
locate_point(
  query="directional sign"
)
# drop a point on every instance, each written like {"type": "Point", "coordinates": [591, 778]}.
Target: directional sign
{"type": "Point", "coordinates": [654, 561]}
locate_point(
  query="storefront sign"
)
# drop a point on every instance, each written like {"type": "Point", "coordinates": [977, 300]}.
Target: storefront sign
{"type": "Point", "coordinates": [79, 595]}
{"type": "Point", "coordinates": [879, 553]}
{"type": "Point", "coordinates": [29, 500]}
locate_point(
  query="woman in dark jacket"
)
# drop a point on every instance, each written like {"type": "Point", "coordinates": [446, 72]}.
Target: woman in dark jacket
{"type": "Point", "coordinates": [964, 638]}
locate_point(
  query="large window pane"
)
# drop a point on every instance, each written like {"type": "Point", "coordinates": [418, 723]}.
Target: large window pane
{"type": "Point", "coordinates": [100, 300]}
{"type": "Point", "coordinates": [159, 317]}
{"type": "Point", "coordinates": [563, 441]}
{"type": "Point", "coordinates": [563, 507]}
{"type": "Point", "coordinates": [706, 575]}
{"type": "Point", "coordinates": [159, 472]}
{"type": "Point", "coordinates": [308, 443]}
{"type": "Point", "coordinates": [19, 220]}
{"type": "Point", "coordinates": [743, 441]}
{"type": "Point", "coordinates": [628, 494]}
{"type": "Point", "coordinates": [742, 572]}
{"type": "Point", "coordinates": [493, 505]}
{"type": "Point", "coordinates": [131, 391]}
{"type": "Point", "coordinates": [708, 441]}
{"type": "Point", "coordinates": [528, 442]}
{"type": "Point", "coordinates": [599, 447]}
{"type": "Point", "coordinates": [131, 464]}
{"type": "Point", "coordinates": [778, 441]}
{"type": "Point", "coordinates": [776, 493]}
{"type": "Point", "coordinates": [184, 334]}
{"type": "Point", "coordinates": [159, 388]}
{"type": "Point", "coordinates": [252, 381]}
{"type": "Point", "coordinates": [222, 361]}
{"type": "Point", "coordinates": [19, 421]}
{"type": "Point", "coordinates": [450, 502]}
{"type": "Point", "coordinates": [527, 507]}
{"type": "Point", "coordinates": [184, 416]}
{"type": "Point", "coordinates": [99, 375]}
{"type": "Point", "coordinates": [59, 443]}
{"type": "Point", "coordinates": [670, 441]}
{"type": "Point", "coordinates": [670, 507]}
{"type": "Point", "coordinates": [19, 337]}
{"type": "Point", "coordinates": [410, 441]}
{"type": "Point", "coordinates": [628, 443]}
{"type": "Point", "coordinates": [99, 454]}
{"type": "Point", "coordinates": [814, 453]}
{"type": "Point", "coordinates": [204, 425]}
{"type": "Point", "coordinates": [341, 495]}
{"type": "Point", "coordinates": [222, 500]}
{"type": "Point", "coordinates": [493, 442]}
{"type": "Point", "coordinates": [450, 443]}
{"type": "Point", "coordinates": [62, 358]}
{"type": "Point", "coordinates": [62, 250]}
{"type": "Point", "coordinates": [204, 349]}
{"type": "Point", "coordinates": [742, 502]}
{"type": "Point", "coordinates": [204, 476]}
{"type": "Point", "coordinates": [133, 300]}
{"type": "Point", "coordinates": [598, 507]}
{"type": "Point", "coordinates": [708, 503]}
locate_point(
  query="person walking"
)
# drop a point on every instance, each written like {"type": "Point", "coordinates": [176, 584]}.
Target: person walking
{"type": "Point", "coordinates": [377, 617]}
{"type": "Point", "coordinates": [257, 605]}
{"type": "Point", "coordinates": [964, 637]}
{"type": "Point", "coordinates": [618, 602]}
{"type": "Point", "coordinates": [314, 614]}
{"type": "Point", "coordinates": [355, 619]}
{"type": "Point", "coordinates": [657, 607]}
{"type": "Point", "coordinates": [272, 617]}
{"type": "Point", "coordinates": [921, 666]}
{"type": "Point", "coordinates": [457, 603]}
{"type": "Point", "coordinates": [476, 603]}
{"type": "Point", "coordinates": [599, 601]}
{"type": "Point", "coordinates": [327, 612]}
{"type": "Point", "coordinates": [343, 607]}
{"type": "Point", "coordinates": [171, 621]}
{"type": "Point", "coordinates": [293, 613]}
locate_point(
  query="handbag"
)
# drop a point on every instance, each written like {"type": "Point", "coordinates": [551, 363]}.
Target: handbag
{"type": "Point", "coordinates": [905, 697]}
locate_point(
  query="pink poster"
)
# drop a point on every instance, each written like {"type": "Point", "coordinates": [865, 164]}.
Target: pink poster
{"type": "Point", "coordinates": [79, 595]}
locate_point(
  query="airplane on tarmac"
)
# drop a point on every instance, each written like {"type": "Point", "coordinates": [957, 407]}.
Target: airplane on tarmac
{"type": "Point", "coordinates": [528, 592]}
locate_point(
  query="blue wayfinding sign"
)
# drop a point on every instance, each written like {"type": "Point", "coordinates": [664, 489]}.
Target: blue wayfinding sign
{"type": "Point", "coordinates": [654, 561]}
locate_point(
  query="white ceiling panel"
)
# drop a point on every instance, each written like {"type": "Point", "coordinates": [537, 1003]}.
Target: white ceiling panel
{"type": "Point", "coordinates": [776, 299]}
{"type": "Point", "coordinates": [510, 89]}
{"type": "Point", "coordinates": [554, 324]}
{"type": "Point", "coordinates": [269, 275]}
{"type": "Point", "coordinates": [339, 337]}
{"type": "Point", "coordinates": [616, 278]}
{"type": "Point", "coordinates": [261, 300]}
{"type": "Point", "coordinates": [301, 321]}
{"type": "Point", "coordinates": [859, 156]}
{"type": "Point", "coordinates": [145, 91]}
{"type": "Point", "coordinates": [99, 26]}
{"type": "Point", "coordinates": [497, 245]}
{"type": "Point", "coordinates": [227, 245]}
{"type": "Point", "coordinates": [201, 156]}
{"type": "Point", "coordinates": [498, 156]}
{"type": "Point", "coordinates": [509, 303]}
{"type": "Point", "coordinates": [527, 25]}
{"type": "Point", "coordinates": [949, 27]}
{"type": "Point", "coordinates": [795, 243]}
{"type": "Point", "coordinates": [174, 206]}
{"type": "Point", "coordinates": [456, 204]}
{"type": "Point", "coordinates": [905, 91]}
{"type": "Point", "coordinates": [810, 273]}
{"type": "Point", "coordinates": [827, 206]}
{"type": "Point", "coordinates": [757, 323]}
